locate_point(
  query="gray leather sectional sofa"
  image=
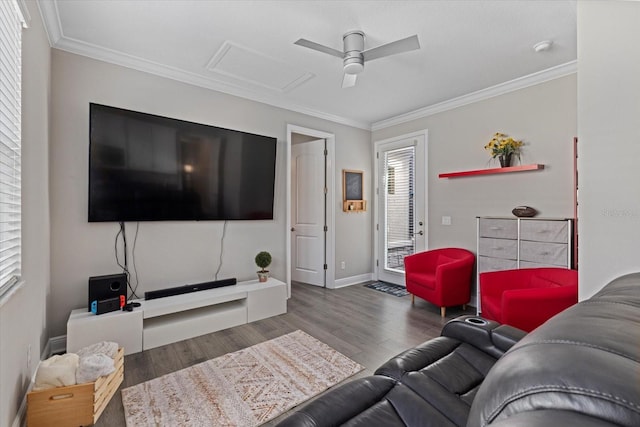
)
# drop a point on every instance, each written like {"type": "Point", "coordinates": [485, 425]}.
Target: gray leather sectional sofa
{"type": "Point", "coordinates": [580, 368]}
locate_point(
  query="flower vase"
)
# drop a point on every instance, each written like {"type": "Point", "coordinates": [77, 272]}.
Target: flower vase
{"type": "Point", "coordinates": [505, 160]}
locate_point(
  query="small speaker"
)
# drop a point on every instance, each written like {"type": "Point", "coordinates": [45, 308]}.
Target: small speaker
{"type": "Point", "coordinates": [107, 287]}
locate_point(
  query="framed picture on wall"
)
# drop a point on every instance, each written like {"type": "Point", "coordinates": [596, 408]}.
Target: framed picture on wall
{"type": "Point", "coordinates": [353, 191]}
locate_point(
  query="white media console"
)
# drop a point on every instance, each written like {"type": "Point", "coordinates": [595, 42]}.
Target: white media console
{"type": "Point", "coordinates": [166, 320]}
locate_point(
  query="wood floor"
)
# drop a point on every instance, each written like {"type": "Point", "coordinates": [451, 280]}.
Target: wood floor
{"type": "Point", "coordinates": [366, 325]}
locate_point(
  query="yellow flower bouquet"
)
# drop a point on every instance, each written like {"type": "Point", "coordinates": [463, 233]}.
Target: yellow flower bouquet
{"type": "Point", "coordinates": [503, 147]}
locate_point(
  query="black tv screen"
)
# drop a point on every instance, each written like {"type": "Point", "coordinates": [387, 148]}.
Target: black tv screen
{"type": "Point", "coordinates": [144, 167]}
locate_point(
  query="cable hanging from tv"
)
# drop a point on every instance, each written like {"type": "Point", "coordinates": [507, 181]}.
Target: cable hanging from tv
{"type": "Point", "coordinates": [125, 266]}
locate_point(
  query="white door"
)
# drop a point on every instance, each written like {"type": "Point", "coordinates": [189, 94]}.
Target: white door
{"type": "Point", "coordinates": [401, 182]}
{"type": "Point", "coordinates": [308, 184]}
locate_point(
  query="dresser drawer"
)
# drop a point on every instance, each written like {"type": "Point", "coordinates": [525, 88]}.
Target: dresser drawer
{"type": "Point", "coordinates": [494, 264]}
{"type": "Point", "coordinates": [544, 231]}
{"type": "Point", "coordinates": [544, 253]}
{"type": "Point", "coordinates": [500, 228]}
{"type": "Point", "coordinates": [498, 248]}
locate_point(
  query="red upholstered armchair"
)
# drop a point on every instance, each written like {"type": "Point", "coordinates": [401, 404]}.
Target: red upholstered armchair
{"type": "Point", "coordinates": [440, 276]}
{"type": "Point", "coordinates": [528, 297]}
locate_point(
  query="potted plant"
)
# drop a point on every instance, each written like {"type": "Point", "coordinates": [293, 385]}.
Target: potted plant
{"type": "Point", "coordinates": [263, 259]}
{"type": "Point", "coordinates": [503, 147]}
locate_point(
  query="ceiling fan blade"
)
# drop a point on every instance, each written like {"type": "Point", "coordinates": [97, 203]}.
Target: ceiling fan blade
{"type": "Point", "coordinates": [398, 46]}
{"type": "Point", "coordinates": [319, 47]}
{"type": "Point", "coordinates": [349, 80]}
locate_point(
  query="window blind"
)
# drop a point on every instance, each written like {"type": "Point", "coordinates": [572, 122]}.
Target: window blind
{"type": "Point", "coordinates": [399, 166]}
{"type": "Point", "coordinates": [10, 138]}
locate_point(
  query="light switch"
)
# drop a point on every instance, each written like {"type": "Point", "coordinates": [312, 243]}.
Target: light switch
{"type": "Point", "coordinates": [446, 220]}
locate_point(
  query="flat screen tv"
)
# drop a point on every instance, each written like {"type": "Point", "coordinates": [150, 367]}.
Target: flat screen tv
{"type": "Point", "coordinates": [144, 167]}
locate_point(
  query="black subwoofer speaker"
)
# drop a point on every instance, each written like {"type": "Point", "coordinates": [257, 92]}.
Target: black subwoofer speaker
{"type": "Point", "coordinates": [106, 287]}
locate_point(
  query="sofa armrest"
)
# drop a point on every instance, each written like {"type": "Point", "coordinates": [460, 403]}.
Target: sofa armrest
{"type": "Point", "coordinates": [416, 358]}
{"type": "Point", "coordinates": [551, 417]}
{"type": "Point", "coordinates": [504, 336]}
{"type": "Point", "coordinates": [479, 333]}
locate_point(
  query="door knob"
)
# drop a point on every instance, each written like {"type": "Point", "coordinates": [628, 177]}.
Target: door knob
{"type": "Point", "coordinates": [293, 229]}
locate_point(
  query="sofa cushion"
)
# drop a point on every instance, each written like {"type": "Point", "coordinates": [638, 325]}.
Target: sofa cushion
{"type": "Point", "coordinates": [424, 280]}
{"type": "Point", "coordinates": [446, 372]}
{"type": "Point", "coordinates": [451, 383]}
{"type": "Point", "coordinates": [418, 357]}
{"type": "Point", "coordinates": [365, 402]}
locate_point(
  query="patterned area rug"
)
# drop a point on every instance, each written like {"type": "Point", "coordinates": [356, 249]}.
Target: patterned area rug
{"type": "Point", "coordinates": [244, 388]}
{"type": "Point", "coordinates": [389, 288]}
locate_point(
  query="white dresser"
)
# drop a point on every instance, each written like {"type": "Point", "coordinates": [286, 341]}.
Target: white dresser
{"type": "Point", "coordinates": [510, 243]}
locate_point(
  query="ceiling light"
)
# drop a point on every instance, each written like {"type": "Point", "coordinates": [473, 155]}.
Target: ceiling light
{"type": "Point", "coordinates": [353, 66]}
{"type": "Point", "coordinates": [542, 46]}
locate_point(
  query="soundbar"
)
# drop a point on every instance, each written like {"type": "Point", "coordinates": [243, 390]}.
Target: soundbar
{"type": "Point", "coordinates": [179, 290]}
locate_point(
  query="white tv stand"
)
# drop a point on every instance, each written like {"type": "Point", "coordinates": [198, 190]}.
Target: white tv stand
{"type": "Point", "coordinates": [166, 320]}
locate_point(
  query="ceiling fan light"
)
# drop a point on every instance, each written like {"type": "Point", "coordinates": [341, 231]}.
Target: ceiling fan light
{"type": "Point", "coordinates": [353, 68]}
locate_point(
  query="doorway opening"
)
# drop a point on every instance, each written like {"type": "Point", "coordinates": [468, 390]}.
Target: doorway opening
{"type": "Point", "coordinates": [310, 207]}
{"type": "Point", "coordinates": [401, 200]}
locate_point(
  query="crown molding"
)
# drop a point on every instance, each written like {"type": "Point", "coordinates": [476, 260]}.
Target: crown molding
{"type": "Point", "coordinates": [58, 40]}
{"type": "Point", "coordinates": [118, 58]}
{"type": "Point", "coordinates": [51, 20]}
{"type": "Point", "coordinates": [24, 11]}
{"type": "Point", "coordinates": [50, 16]}
{"type": "Point", "coordinates": [552, 73]}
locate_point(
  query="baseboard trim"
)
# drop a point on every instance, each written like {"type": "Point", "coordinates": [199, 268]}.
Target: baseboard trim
{"type": "Point", "coordinates": [56, 345]}
{"type": "Point", "coordinates": [20, 419]}
{"type": "Point", "coordinates": [353, 280]}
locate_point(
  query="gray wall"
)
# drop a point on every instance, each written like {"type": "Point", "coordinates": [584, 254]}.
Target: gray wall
{"type": "Point", "coordinates": [173, 253]}
{"type": "Point", "coordinates": [609, 141]}
{"type": "Point", "coordinates": [544, 116]}
{"type": "Point", "coordinates": [23, 317]}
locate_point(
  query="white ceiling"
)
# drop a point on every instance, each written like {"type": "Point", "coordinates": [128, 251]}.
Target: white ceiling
{"type": "Point", "coordinates": [469, 49]}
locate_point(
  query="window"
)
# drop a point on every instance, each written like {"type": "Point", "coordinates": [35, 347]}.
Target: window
{"type": "Point", "coordinates": [399, 206]}
{"type": "Point", "coordinates": [11, 22]}
{"type": "Point", "coordinates": [391, 180]}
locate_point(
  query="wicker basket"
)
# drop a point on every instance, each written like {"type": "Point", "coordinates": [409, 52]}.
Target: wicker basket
{"type": "Point", "coordinates": [76, 405]}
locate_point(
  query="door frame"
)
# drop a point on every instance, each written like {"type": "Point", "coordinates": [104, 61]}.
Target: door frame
{"type": "Point", "coordinates": [330, 207]}
{"type": "Point", "coordinates": [376, 196]}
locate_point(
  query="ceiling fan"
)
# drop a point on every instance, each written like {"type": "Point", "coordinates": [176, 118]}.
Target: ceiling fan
{"type": "Point", "coordinates": [354, 55]}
